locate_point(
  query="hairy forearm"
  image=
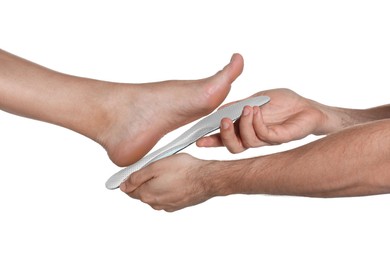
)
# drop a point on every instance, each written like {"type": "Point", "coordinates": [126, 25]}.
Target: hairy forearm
{"type": "Point", "coordinates": [32, 91]}
{"type": "Point", "coordinates": [336, 118]}
{"type": "Point", "coordinates": [352, 162]}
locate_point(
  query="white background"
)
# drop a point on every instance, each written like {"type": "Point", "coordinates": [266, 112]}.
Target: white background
{"type": "Point", "coordinates": [52, 197]}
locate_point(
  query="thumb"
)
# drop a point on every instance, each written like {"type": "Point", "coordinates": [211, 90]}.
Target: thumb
{"type": "Point", "coordinates": [135, 180]}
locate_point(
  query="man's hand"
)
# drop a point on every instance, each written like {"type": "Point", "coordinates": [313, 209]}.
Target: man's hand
{"type": "Point", "coordinates": [170, 184]}
{"type": "Point", "coordinates": [285, 118]}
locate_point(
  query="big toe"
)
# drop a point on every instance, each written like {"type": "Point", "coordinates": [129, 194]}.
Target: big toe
{"type": "Point", "coordinates": [232, 70]}
{"type": "Point", "coordinates": [235, 67]}
{"type": "Point", "coordinates": [219, 84]}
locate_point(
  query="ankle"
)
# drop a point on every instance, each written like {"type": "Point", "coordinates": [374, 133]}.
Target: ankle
{"type": "Point", "coordinates": [91, 114]}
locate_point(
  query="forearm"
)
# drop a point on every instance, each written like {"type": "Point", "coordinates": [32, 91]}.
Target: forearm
{"type": "Point", "coordinates": [30, 90]}
{"type": "Point", "coordinates": [352, 162]}
{"type": "Point", "coordinates": [336, 118]}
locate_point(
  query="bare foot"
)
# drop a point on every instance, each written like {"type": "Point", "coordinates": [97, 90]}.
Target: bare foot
{"type": "Point", "coordinates": [126, 119]}
{"type": "Point", "coordinates": [140, 115]}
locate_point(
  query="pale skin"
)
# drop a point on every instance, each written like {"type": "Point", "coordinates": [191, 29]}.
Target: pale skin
{"type": "Point", "coordinates": [113, 114]}
{"type": "Point", "coordinates": [352, 160]}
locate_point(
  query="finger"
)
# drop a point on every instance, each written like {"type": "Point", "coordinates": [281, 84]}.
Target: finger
{"type": "Point", "coordinates": [260, 128]}
{"type": "Point", "coordinates": [210, 141]}
{"type": "Point", "coordinates": [270, 135]}
{"type": "Point", "coordinates": [134, 194]}
{"type": "Point", "coordinates": [247, 133]}
{"type": "Point", "coordinates": [142, 194]}
{"type": "Point", "coordinates": [135, 180]}
{"type": "Point", "coordinates": [229, 136]}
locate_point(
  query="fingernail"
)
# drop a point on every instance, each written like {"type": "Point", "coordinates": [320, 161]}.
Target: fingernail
{"type": "Point", "coordinates": [246, 111]}
{"type": "Point", "coordinates": [224, 125]}
{"type": "Point", "coordinates": [123, 186]}
{"type": "Point", "coordinates": [255, 110]}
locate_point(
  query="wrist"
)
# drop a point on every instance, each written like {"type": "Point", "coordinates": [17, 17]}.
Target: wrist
{"type": "Point", "coordinates": [332, 119]}
{"type": "Point", "coordinates": [337, 118]}
{"type": "Point", "coordinates": [215, 178]}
